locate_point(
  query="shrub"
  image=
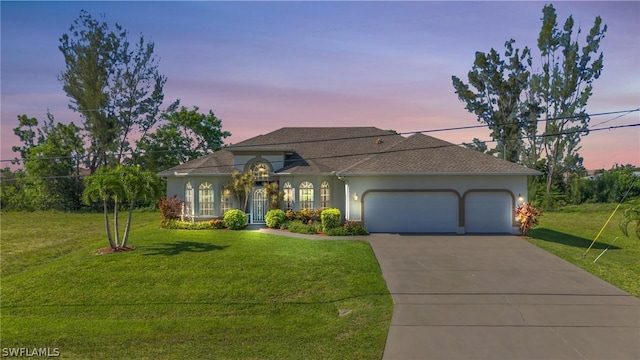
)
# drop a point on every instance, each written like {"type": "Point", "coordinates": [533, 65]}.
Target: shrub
{"type": "Point", "coordinates": [169, 224]}
{"type": "Point", "coordinates": [528, 216]}
{"type": "Point", "coordinates": [330, 219]}
{"type": "Point", "coordinates": [339, 231]}
{"type": "Point", "coordinates": [275, 218]}
{"type": "Point", "coordinates": [290, 214]}
{"type": "Point", "coordinates": [186, 225]}
{"type": "Point", "coordinates": [350, 228]}
{"type": "Point", "coordinates": [216, 223]}
{"type": "Point", "coordinates": [235, 219]}
{"type": "Point", "coordinates": [355, 228]}
{"type": "Point", "coordinates": [308, 216]}
{"type": "Point", "coordinates": [299, 227]}
{"type": "Point", "coordinates": [316, 227]}
{"type": "Point", "coordinates": [170, 208]}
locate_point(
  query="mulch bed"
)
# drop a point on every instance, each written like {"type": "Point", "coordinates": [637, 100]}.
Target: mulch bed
{"type": "Point", "coordinates": [118, 249]}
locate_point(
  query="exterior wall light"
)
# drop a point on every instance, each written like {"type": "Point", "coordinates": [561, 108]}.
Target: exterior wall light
{"type": "Point", "coordinates": [355, 196]}
{"type": "Point", "coordinates": [520, 198]}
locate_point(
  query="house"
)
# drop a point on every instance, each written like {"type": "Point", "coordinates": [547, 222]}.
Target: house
{"type": "Point", "coordinates": [390, 182]}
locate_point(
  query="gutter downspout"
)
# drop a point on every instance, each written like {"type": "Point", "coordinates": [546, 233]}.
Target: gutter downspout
{"type": "Point", "coordinates": [347, 196]}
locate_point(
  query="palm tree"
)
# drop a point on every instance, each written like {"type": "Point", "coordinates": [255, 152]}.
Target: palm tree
{"type": "Point", "coordinates": [138, 185]}
{"type": "Point", "coordinates": [103, 185]}
{"type": "Point", "coordinates": [240, 186]}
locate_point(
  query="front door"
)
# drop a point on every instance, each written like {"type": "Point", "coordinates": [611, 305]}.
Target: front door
{"type": "Point", "coordinates": [259, 206]}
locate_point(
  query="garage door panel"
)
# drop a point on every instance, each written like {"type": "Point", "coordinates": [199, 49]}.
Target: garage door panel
{"type": "Point", "coordinates": [411, 212]}
{"type": "Point", "coordinates": [488, 212]}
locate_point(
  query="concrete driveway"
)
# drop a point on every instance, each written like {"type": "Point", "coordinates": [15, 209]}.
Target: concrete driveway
{"type": "Point", "coordinates": [499, 297]}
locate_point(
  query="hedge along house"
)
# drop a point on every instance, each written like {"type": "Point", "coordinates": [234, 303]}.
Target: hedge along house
{"type": "Point", "coordinates": [389, 182]}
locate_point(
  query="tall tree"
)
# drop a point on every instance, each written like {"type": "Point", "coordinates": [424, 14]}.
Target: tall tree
{"type": "Point", "coordinates": [498, 94]}
{"type": "Point", "coordinates": [137, 93]}
{"type": "Point", "coordinates": [53, 164]}
{"type": "Point", "coordinates": [26, 133]}
{"type": "Point", "coordinates": [478, 145]}
{"type": "Point", "coordinates": [115, 87]}
{"type": "Point", "coordinates": [564, 86]}
{"type": "Point", "coordinates": [51, 154]}
{"type": "Point", "coordinates": [512, 97]}
{"type": "Point", "coordinates": [186, 135]}
{"type": "Point", "coordinates": [90, 56]}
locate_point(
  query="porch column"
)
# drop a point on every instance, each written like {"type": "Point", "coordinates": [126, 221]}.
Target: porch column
{"type": "Point", "coordinates": [347, 198]}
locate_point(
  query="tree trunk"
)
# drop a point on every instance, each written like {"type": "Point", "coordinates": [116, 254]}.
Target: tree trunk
{"type": "Point", "coordinates": [106, 225]}
{"type": "Point", "coordinates": [550, 176]}
{"type": "Point", "coordinates": [246, 200]}
{"type": "Point", "coordinates": [125, 237]}
{"type": "Point", "coordinates": [115, 222]}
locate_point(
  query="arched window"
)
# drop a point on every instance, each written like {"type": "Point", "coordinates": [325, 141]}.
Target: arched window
{"type": "Point", "coordinates": [306, 196]}
{"type": "Point", "coordinates": [205, 199]}
{"type": "Point", "coordinates": [227, 201]}
{"type": "Point", "coordinates": [288, 196]}
{"type": "Point", "coordinates": [325, 195]}
{"type": "Point", "coordinates": [188, 199]}
{"type": "Point", "coordinates": [261, 171]}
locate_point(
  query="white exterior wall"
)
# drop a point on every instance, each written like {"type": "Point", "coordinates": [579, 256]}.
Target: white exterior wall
{"type": "Point", "coordinates": [176, 186]}
{"type": "Point", "coordinates": [462, 184]}
{"type": "Point", "coordinates": [336, 187]}
{"type": "Point", "coordinates": [343, 190]}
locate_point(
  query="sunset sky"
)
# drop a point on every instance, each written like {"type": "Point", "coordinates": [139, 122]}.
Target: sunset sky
{"type": "Point", "coordinates": [261, 66]}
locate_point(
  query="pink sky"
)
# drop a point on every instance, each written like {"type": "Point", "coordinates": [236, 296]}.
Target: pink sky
{"type": "Point", "coordinates": [262, 66]}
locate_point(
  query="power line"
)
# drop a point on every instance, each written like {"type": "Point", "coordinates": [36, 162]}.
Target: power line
{"type": "Point", "coordinates": [622, 112]}
{"type": "Point", "coordinates": [568, 132]}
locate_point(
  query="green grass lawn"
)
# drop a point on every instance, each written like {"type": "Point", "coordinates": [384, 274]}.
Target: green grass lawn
{"type": "Point", "coordinates": [569, 232]}
{"type": "Point", "coordinates": [187, 294]}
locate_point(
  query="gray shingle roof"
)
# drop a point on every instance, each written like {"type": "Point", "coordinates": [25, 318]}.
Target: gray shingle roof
{"type": "Point", "coordinates": [322, 149]}
{"type": "Point", "coordinates": [423, 154]}
{"type": "Point", "coordinates": [219, 162]}
{"type": "Point", "coordinates": [355, 150]}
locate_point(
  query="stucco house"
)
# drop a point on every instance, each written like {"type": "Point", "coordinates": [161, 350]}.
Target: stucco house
{"type": "Point", "coordinates": [390, 182]}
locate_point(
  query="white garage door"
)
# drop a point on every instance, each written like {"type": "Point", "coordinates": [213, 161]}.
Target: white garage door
{"type": "Point", "coordinates": [429, 212]}
{"type": "Point", "coordinates": [488, 212]}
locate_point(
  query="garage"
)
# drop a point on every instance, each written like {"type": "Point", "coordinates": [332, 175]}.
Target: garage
{"type": "Point", "coordinates": [410, 211]}
{"type": "Point", "coordinates": [488, 212]}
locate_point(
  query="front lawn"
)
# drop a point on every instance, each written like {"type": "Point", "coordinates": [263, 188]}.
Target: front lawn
{"type": "Point", "coordinates": [187, 294]}
{"type": "Point", "coordinates": [568, 233]}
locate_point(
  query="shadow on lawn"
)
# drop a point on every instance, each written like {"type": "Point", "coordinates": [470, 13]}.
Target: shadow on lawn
{"type": "Point", "coordinates": [179, 247]}
{"type": "Point", "coordinates": [566, 239]}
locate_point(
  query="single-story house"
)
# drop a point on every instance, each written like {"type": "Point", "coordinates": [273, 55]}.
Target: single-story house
{"type": "Point", "coordinates": [390, 182]}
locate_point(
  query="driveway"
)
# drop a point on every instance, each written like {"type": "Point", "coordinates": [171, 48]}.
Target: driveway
{"type": "Point", "coordinates": [499, 297]}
